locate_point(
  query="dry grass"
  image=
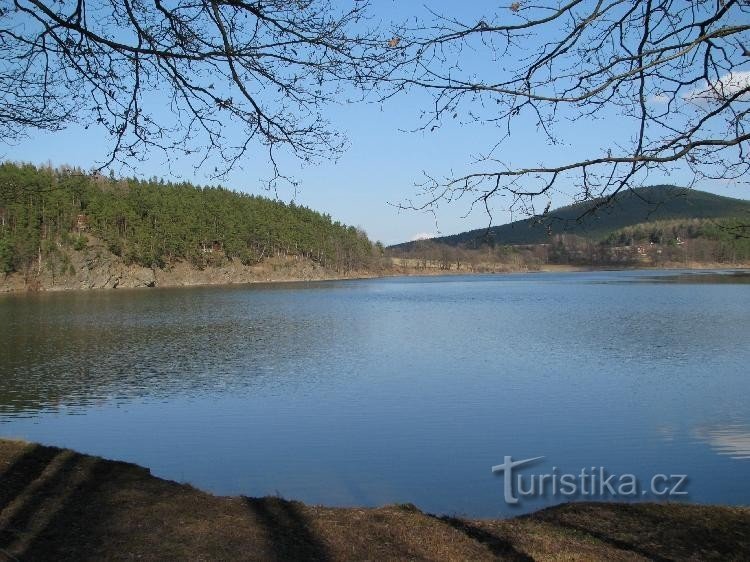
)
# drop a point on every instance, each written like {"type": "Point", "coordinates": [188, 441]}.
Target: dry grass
{"type": "Point", "coordinates": [59, 505]}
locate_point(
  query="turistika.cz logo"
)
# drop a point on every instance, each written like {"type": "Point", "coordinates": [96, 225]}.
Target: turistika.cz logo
{"type": "Point", "coordinates": [592, 482]}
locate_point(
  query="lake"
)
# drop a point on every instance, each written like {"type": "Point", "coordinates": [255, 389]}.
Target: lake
{"type": "Point", "coordinates": [393, 390]}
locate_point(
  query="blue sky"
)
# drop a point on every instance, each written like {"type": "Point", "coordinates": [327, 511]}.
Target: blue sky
{"type": "Point", "coordinates": [381, 165]}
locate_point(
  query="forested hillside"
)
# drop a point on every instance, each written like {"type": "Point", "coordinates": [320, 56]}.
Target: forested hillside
{"type": "Point", "coordinates": [660, 226]}
{"type": "Point", "coordinates": [668, 243]}
{"type": "Point", "coordinates": [153, 223]}
{"type": "Point", "coordinates": [646, 204]}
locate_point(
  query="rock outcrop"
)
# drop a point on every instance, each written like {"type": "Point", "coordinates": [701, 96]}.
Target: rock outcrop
{"type": "Point", "coordinates": [95, 267]}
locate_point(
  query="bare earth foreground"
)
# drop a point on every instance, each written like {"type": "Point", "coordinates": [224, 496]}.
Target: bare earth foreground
{"type": "Point", "coordinates": [56, 504]}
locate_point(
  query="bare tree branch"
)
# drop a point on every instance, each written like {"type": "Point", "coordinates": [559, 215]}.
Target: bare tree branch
{"type": "Point", "coordinates": [209, 78]}
{"type": "Point", "coordinates": [674, 75]}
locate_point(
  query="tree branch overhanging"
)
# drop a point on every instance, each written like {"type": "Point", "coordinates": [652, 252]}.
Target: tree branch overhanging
{"type": "Point", "coordinates": [213, 78]}
{"type": "Point", "coordinates": [672, 78]}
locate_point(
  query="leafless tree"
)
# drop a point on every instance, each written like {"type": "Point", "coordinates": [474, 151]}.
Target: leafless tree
{"type": "Point", "coordinates": [207, 78]}
{"type": "Point", "coordinates": [674, 73]}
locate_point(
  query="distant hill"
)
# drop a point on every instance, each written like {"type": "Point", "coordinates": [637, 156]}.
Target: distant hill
{"type": "Point", "coordinates": [645, 204]}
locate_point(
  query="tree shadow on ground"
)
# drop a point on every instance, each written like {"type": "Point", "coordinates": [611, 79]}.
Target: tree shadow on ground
{"type": "Point", "coordinates": [615, 542]}
{"type": "Point", "coordinates": [498, 546]}
{"type": "Point", "coordinates": [23, 471]}
{"type": "Point", "coordinates": [51, 509]}
{"type": "Point", "coordinates": [289, 529]}
{"type": "Point", "coordinates": [659, 532]}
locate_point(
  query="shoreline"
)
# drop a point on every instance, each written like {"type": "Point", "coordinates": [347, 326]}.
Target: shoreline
{"type": "Point", "coordinates": [17, 284]}
{"type": "Point", "coordinates": [62, 505]}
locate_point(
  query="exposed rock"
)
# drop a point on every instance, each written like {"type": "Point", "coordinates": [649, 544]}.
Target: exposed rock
{"type": "Point", "coordinates": [95, 267]}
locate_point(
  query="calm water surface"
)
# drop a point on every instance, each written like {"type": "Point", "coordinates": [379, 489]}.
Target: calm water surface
{"type": "Point", "coordinates": [393, 390]}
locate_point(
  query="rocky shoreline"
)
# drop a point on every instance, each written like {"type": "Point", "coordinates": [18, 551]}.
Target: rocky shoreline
{"type": "Point", "coordinates": [97, 268]}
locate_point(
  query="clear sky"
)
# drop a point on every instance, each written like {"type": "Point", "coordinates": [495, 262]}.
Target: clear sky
{"type": "Point", "coordinates": [381, 165]}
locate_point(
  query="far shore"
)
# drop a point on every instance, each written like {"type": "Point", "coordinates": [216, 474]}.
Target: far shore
{"type": "Point", "coordinates": [56, 504]}
{"type": "Point", "coordinates": [182, 275]}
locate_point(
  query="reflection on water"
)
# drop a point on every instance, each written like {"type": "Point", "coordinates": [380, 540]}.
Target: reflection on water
{"type": "Point", "coordinates": [733, 441]}
{"type": "Point", "coordinates": [80, 349]}
{"type": "Point", "coordinates": [393, 390]}
{"type": "Point", "coordinates": [699, 277]}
